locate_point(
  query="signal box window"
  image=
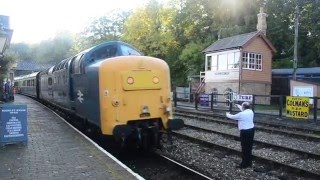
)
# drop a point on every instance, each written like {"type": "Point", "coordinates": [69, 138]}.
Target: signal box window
{"type": "Point", "coordinates": [208, 63]}
{"type": "Point", "coordinates": [252, 61]}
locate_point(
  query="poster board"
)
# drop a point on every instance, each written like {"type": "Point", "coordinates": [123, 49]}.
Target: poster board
{"type": "Point", "coordinates": [297, 107]}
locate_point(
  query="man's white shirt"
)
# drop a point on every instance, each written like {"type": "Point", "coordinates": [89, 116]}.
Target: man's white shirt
{"type": "Point", "coordinates": [244, 118]}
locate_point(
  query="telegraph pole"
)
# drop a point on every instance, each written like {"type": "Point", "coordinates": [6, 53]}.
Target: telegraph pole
{"type": "Point", "coordinates": [295, 53]}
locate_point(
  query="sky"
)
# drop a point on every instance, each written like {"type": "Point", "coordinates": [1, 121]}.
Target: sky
{"type": "Point", "coordinates": [35, 20]}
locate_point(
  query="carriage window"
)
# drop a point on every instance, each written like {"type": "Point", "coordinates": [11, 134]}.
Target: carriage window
{"type": "Point", "coordinates": [126, 51]}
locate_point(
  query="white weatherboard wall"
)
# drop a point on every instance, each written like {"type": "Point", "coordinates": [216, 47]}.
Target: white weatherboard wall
{"type": "Point", "coordinates": [224, 66]}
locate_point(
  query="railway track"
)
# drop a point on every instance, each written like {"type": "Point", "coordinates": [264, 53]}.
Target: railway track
{"type": "Point", "coordinates": [163, 167]}
{"type": "Point", "coordinates": [292, 159]}
{"type": "Point", "coordinates": [150, 165]}
{"type": "Point", "coordinates": [293, 131]}
{"type": "Point", "coordinates": [268, 162]}
{"type": "Point", "coordinates": [160, 167]}
{"type": "Point", "coordinates": [261, 143]}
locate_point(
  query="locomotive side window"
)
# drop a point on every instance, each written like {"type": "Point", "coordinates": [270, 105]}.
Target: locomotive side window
{"type": "Point", "coordinates": [104, 52]}
{"type": "Point", "coordinates": [127, 51]}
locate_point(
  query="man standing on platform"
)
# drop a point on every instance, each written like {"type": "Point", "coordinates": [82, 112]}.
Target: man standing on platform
{"type": "Point", "coordinates": [7, 89]}
{"type": "Point", "coordinates": [246, 127]}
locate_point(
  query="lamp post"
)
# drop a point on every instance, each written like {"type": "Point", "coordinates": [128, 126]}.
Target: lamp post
{"type": "Point", "coordinates": [296, 29]}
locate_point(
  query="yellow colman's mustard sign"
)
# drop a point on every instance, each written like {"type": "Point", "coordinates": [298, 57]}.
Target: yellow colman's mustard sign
{"type": "Point", "coordinates": [297, 107]}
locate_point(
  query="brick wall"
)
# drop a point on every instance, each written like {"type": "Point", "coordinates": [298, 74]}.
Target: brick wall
{"type": "Point", "coordinates": [258, 45]}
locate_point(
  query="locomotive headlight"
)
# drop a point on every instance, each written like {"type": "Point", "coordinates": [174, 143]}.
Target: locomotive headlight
{"type": "Point", "coordinates": [145, 109]}
{"type": "Point", "coordinates": [130, 80]}
{"type": "Point", "coordinates": [155, 80]}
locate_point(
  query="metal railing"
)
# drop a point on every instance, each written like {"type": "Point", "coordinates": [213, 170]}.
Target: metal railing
{"type": "Point", "coordinates": [261, 104]}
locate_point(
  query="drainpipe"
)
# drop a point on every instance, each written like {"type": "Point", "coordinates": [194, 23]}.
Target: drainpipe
{"type": "Point", "coordinates": [240, 70]}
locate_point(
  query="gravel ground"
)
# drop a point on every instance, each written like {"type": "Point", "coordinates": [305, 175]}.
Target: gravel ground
{"type": "Point", "coordinates": [218, 164]}
{"type": "Point", "coordinates": [278, 139]}
{"type": "Point", "coordinates": [269, 153]}
{"type": "Point", "coordinates": [221, 165]}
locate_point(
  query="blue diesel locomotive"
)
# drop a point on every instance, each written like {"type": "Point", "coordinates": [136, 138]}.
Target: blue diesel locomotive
{"type": "Point", "coordinates": [112, 87]}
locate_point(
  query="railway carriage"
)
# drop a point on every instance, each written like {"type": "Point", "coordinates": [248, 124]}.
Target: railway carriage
{"type": "Point", "coordinates": [115, 88]}
{"type": "Point", "coordinates": [26, 84]}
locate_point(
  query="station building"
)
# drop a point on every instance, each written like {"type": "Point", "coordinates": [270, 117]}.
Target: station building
{"type": "Point", "coordinates": [307, 82]}
{"type": "Point", "coordinates": [241, 63]}
{"type": "Point", "coordinates": [28, 67]}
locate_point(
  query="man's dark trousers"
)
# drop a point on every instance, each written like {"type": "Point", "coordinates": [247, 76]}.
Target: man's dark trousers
{"type": "Point", "coordinates": [246, 138]}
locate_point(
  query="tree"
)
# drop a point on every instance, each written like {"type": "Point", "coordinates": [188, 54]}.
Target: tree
{"type": "Point", "coordinates": [23, 51]}
{"type": "Point", "coordinates": [149, 30]}
{"type": "Point", "coordinates": [54, 50]}
{"type": "Point", "coordinates": [104, 28]}
{"type": "Point", "coordinates": [48, 51]}
{"type": "Point", "coordinates": [4, 68]}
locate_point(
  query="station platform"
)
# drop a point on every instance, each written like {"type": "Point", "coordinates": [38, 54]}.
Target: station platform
{"type": "Point", "coordinates": [55, 150]}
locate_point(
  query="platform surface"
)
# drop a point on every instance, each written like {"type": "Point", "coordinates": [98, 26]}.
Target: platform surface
{"type": "Point", "coordinates": [56, 151]}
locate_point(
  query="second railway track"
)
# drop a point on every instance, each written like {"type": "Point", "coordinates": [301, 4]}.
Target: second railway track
{"type": "Point", "coordinates": [298, 132]}
{"type": "Point", "coordinates": [301, 156]}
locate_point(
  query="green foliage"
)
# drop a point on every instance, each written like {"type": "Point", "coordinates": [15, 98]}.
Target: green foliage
{"type": "Point", "coordinates": [178, 32]}
{"type": "Point", "coordinates": [22, 51]}
{"type": "Point", "coordinates": [55, 50]}
{"type": "Point", "coordinates": [282, 63]}
{"type": "Point", "coordinates": [5, 63]}
{"type": "Point", "coordinates": [48, 51]}
{"type": "Point", "coordinates": [149, 30]}
{"type": "Point", "coordinates": [105, 28]}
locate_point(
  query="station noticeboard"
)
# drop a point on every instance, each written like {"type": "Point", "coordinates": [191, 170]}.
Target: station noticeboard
{"type": "Point", "coordinates": [204, 99]}
{"type": "Point", "coordinates": [297, 107]}
{"type": "Point", "coordinates": [13, 124]}
{"type": "Point", "coordinates": [247, 98]}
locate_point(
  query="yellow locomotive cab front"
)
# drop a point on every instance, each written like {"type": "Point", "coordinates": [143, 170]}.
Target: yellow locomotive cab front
{"type": "Point", "coordinates": [134, 90]}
